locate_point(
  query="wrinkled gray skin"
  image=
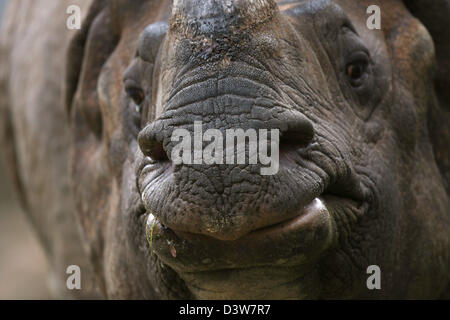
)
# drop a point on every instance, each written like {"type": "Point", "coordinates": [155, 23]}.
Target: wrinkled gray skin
{"type": "Point", "coordinates": [95, 110]}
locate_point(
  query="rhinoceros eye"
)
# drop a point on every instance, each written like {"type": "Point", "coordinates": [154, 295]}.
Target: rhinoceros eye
{"type": "Point", "coordinates": [357, 69]}
{"type": "Point", "coordinates": [136, 94]}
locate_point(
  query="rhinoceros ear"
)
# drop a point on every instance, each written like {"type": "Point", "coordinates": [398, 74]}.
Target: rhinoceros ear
{"type": "Point", "coordinates": [75, 53]}
{"type": "Point", "coordinates": [435, 16]}
{"type": "Point", "coordinates": [88, 51]}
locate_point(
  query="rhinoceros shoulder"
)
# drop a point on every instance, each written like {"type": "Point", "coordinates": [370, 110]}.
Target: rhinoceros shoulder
{"type": "Point", "coordinates": [35, 129]}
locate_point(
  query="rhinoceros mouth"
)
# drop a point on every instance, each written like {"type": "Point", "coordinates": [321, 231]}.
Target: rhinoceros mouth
{"type": "Point", "coordinates": [298, 241]}
{"type": "Point", "coordinates": [274, 255]}
{"type": "Point", "coordinates": [298, 236]}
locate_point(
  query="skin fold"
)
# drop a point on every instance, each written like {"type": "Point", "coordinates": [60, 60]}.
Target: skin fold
{"type": "Point", "coordinates": [87, 118]}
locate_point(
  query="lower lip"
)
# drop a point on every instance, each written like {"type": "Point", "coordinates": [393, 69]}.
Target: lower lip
{"type": "Point", "coordinates": [309, 233]}
{"type": "Point", "coordinates": [311, 214]}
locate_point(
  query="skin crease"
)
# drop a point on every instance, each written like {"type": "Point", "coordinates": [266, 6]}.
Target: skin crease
{"type": "Point", "coordinates": [377, 155]}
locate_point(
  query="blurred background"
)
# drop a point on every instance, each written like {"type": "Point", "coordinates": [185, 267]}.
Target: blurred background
{"type": "Point", "coordinates": [23, 265]}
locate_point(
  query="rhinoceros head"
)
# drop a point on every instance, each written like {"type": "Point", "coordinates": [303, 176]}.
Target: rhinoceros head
{"type": "Point", "coordinates": [361, 160]}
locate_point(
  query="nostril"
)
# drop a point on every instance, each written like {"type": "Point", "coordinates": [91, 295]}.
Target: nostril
{"type": "Point", "coordinates": [299, 133]}
{"type": "Point", "coordinates": [151, 146]}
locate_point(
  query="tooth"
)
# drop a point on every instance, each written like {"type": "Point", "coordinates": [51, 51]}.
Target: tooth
{"type": "Point", "coordinates": [317, 204]}
{"type": "Point", "coordinates": [151, 222]}
{"type": "Point", "coordinates": [314, 211]}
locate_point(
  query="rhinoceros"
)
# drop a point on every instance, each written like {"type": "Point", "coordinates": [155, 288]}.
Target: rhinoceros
{"type": "Point", "coordinates": [89, 116]}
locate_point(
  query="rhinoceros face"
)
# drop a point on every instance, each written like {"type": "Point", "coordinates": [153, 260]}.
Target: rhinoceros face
{"type": "Point", "coordinates": [357, 183]}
